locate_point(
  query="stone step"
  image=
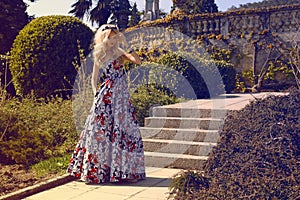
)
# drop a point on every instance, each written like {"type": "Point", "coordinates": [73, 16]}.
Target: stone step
{"type": "Point", "coordinates": [164, 111]}
{"type": "Point", "coordinates": [181, 161]}
{"type": "Point", "coordinates": [178, 147]}
{"type": "Point", "coordinates": [196, 135]}
{"type": "Point", "coordinates": [184, 123]}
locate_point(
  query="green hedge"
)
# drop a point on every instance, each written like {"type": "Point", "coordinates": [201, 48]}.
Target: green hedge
{"type": "Point", "coordinates": [43, 53]}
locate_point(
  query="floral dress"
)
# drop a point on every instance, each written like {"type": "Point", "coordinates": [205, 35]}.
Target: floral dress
{"type": "Point", "coordinates": [110, 148]}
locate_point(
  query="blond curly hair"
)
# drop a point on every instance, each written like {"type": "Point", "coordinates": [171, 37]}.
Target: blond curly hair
{"type": "Point", "coordinates": [102, 52]}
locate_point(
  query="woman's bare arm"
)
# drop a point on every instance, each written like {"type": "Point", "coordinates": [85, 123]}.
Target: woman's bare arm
{"type": "Point", "coordinates": [132, 56]}
{"type": "Point", "coordinates": [95, 78]}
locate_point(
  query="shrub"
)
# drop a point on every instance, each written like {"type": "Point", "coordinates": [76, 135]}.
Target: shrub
{"type": "Point", "coordinates": [228, 74]}
{"type": "Point", "coordinates": [258, 153]}
{"type": "Point", "coordinates": [202, 74]}
{"type": "Point", "coordinates": [187, 184]}
{"type": "Point", "coordinates": [43, 53]}
{"type": "Point", "coordinates": [151, 84]}
{"type": "Point", "coordinates": [149, 95]}
{"type": "Point", "coordinates": [33, 130]}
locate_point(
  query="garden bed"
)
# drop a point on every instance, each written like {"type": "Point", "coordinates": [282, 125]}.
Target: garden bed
{"type": "Point", "coordinates": [15, 177]}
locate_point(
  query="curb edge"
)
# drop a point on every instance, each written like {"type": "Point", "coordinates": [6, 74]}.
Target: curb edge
{"type": "Point", "coordinates": [31, 190]}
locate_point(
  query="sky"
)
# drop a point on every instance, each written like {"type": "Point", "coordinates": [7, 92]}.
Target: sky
{"type": "Point", "coordinates": [62, 7]}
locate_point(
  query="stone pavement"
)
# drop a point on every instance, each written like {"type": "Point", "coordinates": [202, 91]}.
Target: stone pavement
{"type": "Point", "coordinates": [155, 187]}
{"type": "Point", "coordinates": [226, 101]}
{"type": "Point", "coordinates": [158, 179]}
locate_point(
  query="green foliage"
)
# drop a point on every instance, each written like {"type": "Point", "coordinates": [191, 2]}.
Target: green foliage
{"type": "Point", "coordinates": [98, 14]}
{"type": "Point", "coordinates": [228, 74]}
{"type": "Point", "coordinates": [32, 130]}
{"type": "Point", "coordinates": [120, 9]}
{"type": "Point", "coordinates": [13, 18]}
{"type": "Point", "coordinates": [187, 184]}
{"type": "Point", "coordinates": [43, 53]}
{"type": "Point", "coordinates": [239, 85]}
{"type": "Point", "coordinates": [149, 95]}
{"type": "Point", "coordinates": [55, 165]}
{"type": "Point", "coordinates": [135, 17]}
{"type": "Point", "coordinates": [194, 68]}
{"type": "Point", "coordinates": [196, 6]}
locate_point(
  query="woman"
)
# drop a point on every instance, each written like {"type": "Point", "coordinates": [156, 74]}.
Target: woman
{"type": "Point", "coordinates": [110, 148]}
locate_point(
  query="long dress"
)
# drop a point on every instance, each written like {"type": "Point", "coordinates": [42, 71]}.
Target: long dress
{"type": "Point", "coordinates": [110, 148]}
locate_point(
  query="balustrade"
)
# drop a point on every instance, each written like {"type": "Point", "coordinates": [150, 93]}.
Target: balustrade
{"type": "Point", "coordinates": [276, 20]}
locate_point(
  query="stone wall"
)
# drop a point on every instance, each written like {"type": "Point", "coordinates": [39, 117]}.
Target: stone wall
{"type": "Point", "coordinates": [241, 27]}
{"type": "Point", "coordinates": [276, 19]}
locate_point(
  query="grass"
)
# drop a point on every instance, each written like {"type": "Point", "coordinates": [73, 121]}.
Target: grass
{"type": "Point", "coordinates": [53, 165]}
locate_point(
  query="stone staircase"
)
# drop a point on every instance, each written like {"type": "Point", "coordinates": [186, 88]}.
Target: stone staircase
{"type": "Point", "coordinates": [180, 137]}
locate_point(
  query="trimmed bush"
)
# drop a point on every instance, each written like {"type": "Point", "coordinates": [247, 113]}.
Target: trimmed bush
{"type": "Point", "coordinates": [43, 53]}
{"type": "Point", "coordinates": [257, 156]}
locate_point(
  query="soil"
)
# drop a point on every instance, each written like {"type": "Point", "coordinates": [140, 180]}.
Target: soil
{"type": "Point", "coordinates": [15, 177]}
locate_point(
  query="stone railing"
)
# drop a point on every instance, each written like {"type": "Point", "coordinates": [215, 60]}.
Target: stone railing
{"type": "Point", "coordinates": [276, 19]}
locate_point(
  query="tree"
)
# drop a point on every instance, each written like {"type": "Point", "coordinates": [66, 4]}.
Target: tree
{"type": "Point", "coordinates": [120, 9]}
{"type": "Point", "coordinates": [13, 18]}
{"type": "Point", "coordinates": [196, 6]}
{"type": "Point", "coordinates": [100, 12]}
{"type": "Point", "coordinates": [135, 17]}
{"type": "Point", "coordinates": [209, 6]}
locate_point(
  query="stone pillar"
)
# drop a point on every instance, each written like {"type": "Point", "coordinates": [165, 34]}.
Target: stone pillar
{"type": "Point", "coordinates": [244, 23]}
{"type": "Point", "coordinates": [149, 5]}
{"type": "Point", "coordinates": [199, 27]}
{"type": "Point", "coordinates": [294, 21]}
{"type": "Point", "coordinates": [286, 19]}
{"type": "Point", "coordinates": [193, 28]}
{"type": "Point", "coordinates": [151, 10]}
{"type": "Point", "coordinates": [205, 29]}
{"type": "Point", "coordinates": [279, 22]}
{"type": "Point", "coordinates": [211, 26]}
{"type": "Point", "coordinates": [273, 23]}
{"type": "Point", "coordinates": [156, 9]}
{"type": "Point", "coordinates": [224, 29]}
{"type": "Point", "coordinates": [217, 21]}
{"type": "Point", "coordinates": [257, 24]}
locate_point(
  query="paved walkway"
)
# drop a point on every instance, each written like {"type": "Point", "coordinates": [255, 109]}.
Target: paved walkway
{"type": "Point", "coordinates": [154, 187]}
{"type": "Point", "coordinates": [158, 179]}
